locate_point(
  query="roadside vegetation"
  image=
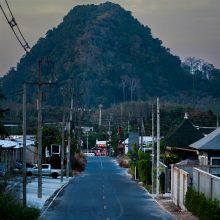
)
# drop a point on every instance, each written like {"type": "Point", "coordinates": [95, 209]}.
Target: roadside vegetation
{"type": "Point", "coordinates": [202, 207]}
{"type": "Point", "coordinates": [79, 161]}
{"type": "Point", "coordinates": [11, 209]}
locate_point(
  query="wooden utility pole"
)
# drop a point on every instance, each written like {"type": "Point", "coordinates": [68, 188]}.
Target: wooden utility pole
{"type": "Point", "coordinates": [39, 130]}
{"type": "Point", "coordinates": [153, 153]}
{"type": "Point", "coordinates": [62, 145]}
{"type": "Point", "coordinates": [69, 137]}
{"type": "Point", "coordinates": [24, 173]}
{"type": "Point", "coordinates": [100, 115]}
{"type": "Point", "coordinates": [158, 149]}
{"type": "Point", "coordinates": [87, 142]}
{"type": "Point", "coordinates": [142, 132]}
{"type": "Point", "coordinates": [39, 137]}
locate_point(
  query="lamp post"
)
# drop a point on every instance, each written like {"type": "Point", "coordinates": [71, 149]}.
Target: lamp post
{"type": "Point", "coordinates": [87, 141]}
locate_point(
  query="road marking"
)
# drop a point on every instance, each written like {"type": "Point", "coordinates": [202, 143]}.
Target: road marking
{"type": "Point", "coordinates": [103, 197]}
{"type": "Point", "coordinates": [62, 187]}
{"type": "Point", "coordinates": [101, 163]}
{"type": "Point", "coordinates": [105, 206]}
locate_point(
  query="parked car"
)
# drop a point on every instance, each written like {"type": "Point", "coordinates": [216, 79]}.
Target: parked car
{"type": "Point", "coordinates": [29, 168]}
{"type": "Point", "coordinates": [46, 171]}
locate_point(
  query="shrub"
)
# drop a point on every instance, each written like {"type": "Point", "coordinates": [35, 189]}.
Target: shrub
{"type": "Point", "coordinates": [144, 170]}
{"type": "Point", "coordinates": [12, 209]}
{"type": "Point", "coordinates": [79, 162]}
{"type": "Point", "coordinates": [200, 206]}
{"type": "Point", "coordinates": [123, 163]}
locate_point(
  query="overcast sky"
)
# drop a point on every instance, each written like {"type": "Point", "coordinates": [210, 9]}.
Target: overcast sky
{"type": "Point", "coordinates": [187, 27]}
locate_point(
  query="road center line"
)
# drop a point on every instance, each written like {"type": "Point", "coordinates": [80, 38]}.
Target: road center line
{"type": "Point", "coordinates": [101, 163]}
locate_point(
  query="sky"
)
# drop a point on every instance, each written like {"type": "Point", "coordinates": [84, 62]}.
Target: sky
{"type": "Point", "coordinates": [190, 28]}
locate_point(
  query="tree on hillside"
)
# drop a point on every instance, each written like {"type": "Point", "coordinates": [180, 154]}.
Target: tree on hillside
{"type": "Point", "coordinates": [124, 84]}
{"type": "Point", "coordinates": [3, 130]}
{"type": "Point", "coordinates": [134, 83]}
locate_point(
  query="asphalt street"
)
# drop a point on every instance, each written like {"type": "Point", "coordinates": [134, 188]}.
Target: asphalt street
{"type": "Point", "coordinates": [104, 192]}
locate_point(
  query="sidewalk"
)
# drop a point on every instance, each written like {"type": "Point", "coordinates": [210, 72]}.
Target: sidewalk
{"type": "Point", "coordinates": [49, 187]}
{"type": "Point", "coordinates": [167, 204]}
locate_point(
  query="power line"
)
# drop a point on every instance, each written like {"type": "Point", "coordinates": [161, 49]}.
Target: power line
{"type": "Point", "coordinates": [15, 28]}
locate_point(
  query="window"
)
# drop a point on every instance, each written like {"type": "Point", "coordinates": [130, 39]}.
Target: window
{"type": "Point", "coordinates": [215, 160]}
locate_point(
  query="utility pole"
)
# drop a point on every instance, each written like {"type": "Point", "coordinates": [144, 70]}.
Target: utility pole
{"type": "Point", "coordinates": [152, 171]}
{"type": "Point", "coordinates": [24, 174]}
{"type": "Point", "coordinates": [62, 145]}
{"type": "Point", "coordinates": [142, 131]}
{"type": "Point", "coordinates": [39, 131]}
{"type": "Point", "coordinates": [87, 141]}
{"type": "Point", "coordinates": [109, 129]}
{"type": "Point", "coordinates": [128, 127]}
{"type": "Point", "coordinates": [69, 137]}
{"type": "Point", "coordinates": [39, 137]}
{"type": "Point", "coordinates": [158, 148]}
{"type": "Point", "coordinates": [100, 115]}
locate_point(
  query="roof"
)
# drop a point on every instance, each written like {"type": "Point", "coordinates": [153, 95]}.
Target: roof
{"type": "Point", "coordinates": [8, 144]}
{"type": "Point", "coordinates": [184, 135]}
{"type": "Point", "coordinates": [101, 143]}
{"type": "Point", "coordinates": [209, 142]}
{"type": "Point", "coordinates": [146, 140]}
{"type": "Point", "coordinates": [16, 142]}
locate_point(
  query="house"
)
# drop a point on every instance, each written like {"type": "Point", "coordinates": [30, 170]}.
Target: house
{"type": "Point", "coordinates": [180, 139]}
{"type": "Point", "coordinates": [208, 148]}
{"type": "Point", "coordinates": [145, 140]}
{"type": "Point", "coordinates": [11, 151]}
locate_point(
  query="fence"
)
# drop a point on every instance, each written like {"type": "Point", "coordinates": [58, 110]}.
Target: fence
{"type": "Point", "coordinates": [206, 183]}
{"type": "Point", "coordinates": [166, 170]}
{"type": "Point", "coordinates": [179, 184]}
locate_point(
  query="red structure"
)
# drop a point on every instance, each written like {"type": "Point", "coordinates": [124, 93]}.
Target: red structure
{"type": "Point", "coordinates": [101, 148]}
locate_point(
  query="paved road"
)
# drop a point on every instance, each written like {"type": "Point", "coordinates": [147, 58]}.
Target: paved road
{"type": "Point", "coordinates": [104, 192]}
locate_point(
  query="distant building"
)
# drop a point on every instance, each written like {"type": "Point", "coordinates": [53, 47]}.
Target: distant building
{"type": "Point", "coordinates": [133, 140]}
{"type": "Point", "coordinates": [146, 145]}
{"type": "Point", "coordinates": [87, 129]}
{"type": "Point", "coordinates": [180, 139]}
{"type": "Point", "coordinates": [101, 148]}
{"type": "Point", "coordinates": [208, 148]}
{"type": "Point", "coordinates": [11, 151]}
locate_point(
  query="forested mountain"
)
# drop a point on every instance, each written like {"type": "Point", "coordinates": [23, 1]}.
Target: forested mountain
{"type": "Point", "coordinates": [109, 57]}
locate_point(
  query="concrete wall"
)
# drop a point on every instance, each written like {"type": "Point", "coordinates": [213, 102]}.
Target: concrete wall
{"type": "Point", "coordinates": [179, 185]}
{"type": "Point", "coordinates": [206, 183]}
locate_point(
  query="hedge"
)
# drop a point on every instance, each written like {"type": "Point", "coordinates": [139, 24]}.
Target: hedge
{"type": "Point", "coordinates": [200, 206]}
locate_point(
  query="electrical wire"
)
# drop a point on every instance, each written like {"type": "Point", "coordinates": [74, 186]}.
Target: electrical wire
{"type": "Point", "coordinates": [15, 28]}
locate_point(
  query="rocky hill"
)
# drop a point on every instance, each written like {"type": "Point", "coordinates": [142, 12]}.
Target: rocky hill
{"type": "Point", "coordinates": [108, 57]}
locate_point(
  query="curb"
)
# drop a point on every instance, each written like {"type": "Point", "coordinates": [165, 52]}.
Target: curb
{"type": "Point", "coordinates": [52, 198]}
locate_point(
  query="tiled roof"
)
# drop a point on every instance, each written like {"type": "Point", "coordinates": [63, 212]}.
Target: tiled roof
{"type": "Point", "coordinates": [209, 142]}
{"type": "Point", "coordinates": [184, 135]}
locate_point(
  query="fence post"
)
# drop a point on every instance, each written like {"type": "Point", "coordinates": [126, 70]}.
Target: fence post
{"type": "Point", "coordinates": [172, 180]}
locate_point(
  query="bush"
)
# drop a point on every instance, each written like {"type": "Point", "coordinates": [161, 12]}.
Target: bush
{"type": "Point", "coordinates": [123, 163]}
{"type": "Point", "coordinates": [200, 206]}
{"type": "Point", "coordinates": [79, 162]}
{"type": "Point", "coordinates": [12, 209]}
{"type": "Point", "coordinates": [132, 167]}
{"type": "Point", "coordinates": [144, 171]}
